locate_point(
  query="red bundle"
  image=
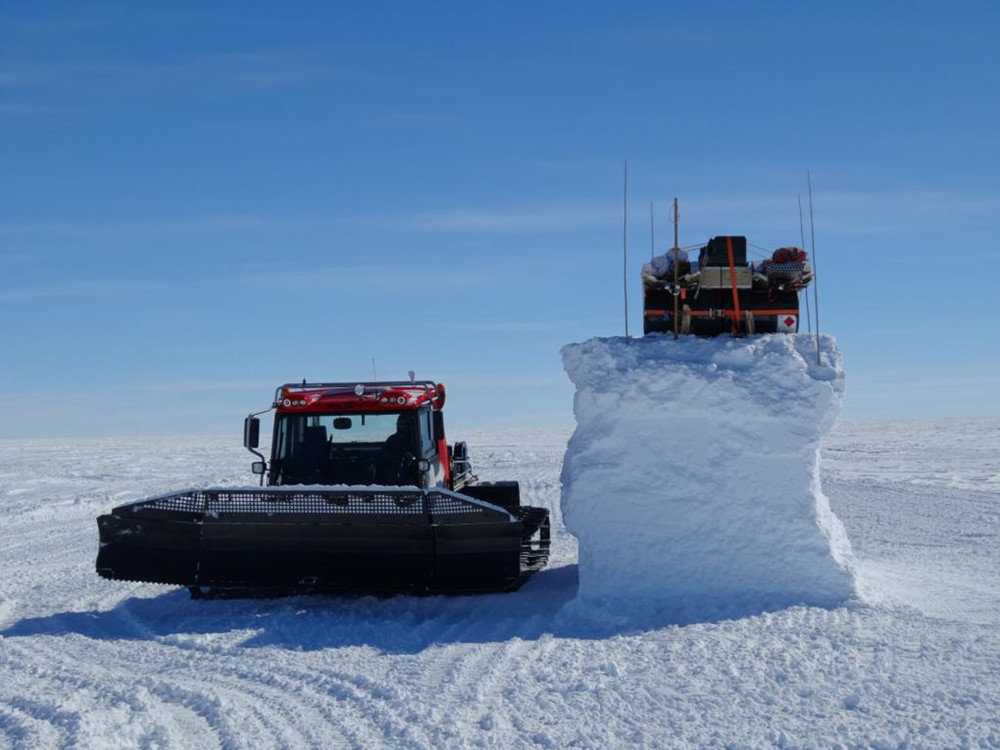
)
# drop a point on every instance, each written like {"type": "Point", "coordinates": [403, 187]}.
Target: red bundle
{"type": "Point", "coordinates": [788, 255]}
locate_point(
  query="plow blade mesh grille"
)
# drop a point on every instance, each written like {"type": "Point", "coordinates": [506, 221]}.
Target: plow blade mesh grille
{"type": "Point", "coordinates": [382, 501]}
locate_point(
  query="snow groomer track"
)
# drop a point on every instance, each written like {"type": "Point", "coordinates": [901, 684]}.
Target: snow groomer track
{"type": "Point", "coordinates": [86, 662]}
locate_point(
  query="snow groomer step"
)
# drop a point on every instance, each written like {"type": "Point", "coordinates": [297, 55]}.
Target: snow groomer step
{"type": "Point", "coordinates": [693, 472]}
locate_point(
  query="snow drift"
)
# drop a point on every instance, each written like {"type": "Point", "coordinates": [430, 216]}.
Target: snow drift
{"type": "Point", "coordinates": [693, 473]}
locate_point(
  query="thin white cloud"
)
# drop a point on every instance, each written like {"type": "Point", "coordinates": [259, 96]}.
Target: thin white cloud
{"type": "Point", "coordinates": [197, 386]}
{"type": "Point", "coordinates": [73, 289]}
{"type": "Point", "coordinates": [14, 109]}
{"type": "Point", "coordinates": [132, 75]}
{"type": "Point", "coordinates": [197, 225]}
{"type": "Point", "coordinates": [329, 278]}
{"type": "Point", "coordinates": [351, 278]}
{"type": "Point", "coordinates": [532, 218]}
{"type": "Point", "coordinates": [842, 213]}
{"type": "Point", "coordinates": [538, 218]}
{"type": "Point", "coordinates": [928, 381]}
{"type": "Point", "coordinates": [507, 326]}
{"type": "Point", "coordinates": [862, 212]}
{"type": "Point", "coordinates": [18, 258]}
{"type": "Point", "coordinates": [499, 380]}
{"type": "Point", "coordinates": [409, 120]}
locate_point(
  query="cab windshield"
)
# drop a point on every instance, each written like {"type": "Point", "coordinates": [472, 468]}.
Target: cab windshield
{"type": "Point", "coordinates": [355, 449]}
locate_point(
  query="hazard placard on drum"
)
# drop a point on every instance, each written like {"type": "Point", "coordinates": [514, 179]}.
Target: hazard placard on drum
{"type": "Point", "coordinates": [788, 323]}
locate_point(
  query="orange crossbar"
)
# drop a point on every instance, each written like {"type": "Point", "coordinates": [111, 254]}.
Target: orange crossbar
{"type": "Point", "coordinates": [730, 313]}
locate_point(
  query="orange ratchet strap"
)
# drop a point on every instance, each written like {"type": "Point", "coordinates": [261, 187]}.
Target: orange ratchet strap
{"type": "Point", "coordinates": [732, 279]}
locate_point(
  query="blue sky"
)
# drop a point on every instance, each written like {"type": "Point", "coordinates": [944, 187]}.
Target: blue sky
{"type": "Point", "coordinates": [203, 200]}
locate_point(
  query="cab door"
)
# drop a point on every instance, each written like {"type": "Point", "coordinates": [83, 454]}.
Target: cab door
{"type": "Point", "coordinates": [434, 476]}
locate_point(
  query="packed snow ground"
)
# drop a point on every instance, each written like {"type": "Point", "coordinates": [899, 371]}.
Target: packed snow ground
{"type": "Point", "coordinates": [90, 663]}
{"type": "Point", "coordinates": [709, 448]}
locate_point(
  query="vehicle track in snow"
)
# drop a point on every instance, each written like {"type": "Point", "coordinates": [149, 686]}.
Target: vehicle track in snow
{"type": "Point", "coordinates": [927, 556]}
{"type": "Point", "coordinates": [244, 693]}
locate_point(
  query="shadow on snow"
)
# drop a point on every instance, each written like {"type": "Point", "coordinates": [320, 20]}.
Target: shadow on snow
{"type": "Point", "coordinates": [547, 606]}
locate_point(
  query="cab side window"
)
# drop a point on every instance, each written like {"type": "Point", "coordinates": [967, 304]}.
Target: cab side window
{"type": "Point", "coordinates": [426, 434]}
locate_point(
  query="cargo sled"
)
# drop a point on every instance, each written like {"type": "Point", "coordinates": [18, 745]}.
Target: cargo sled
{"type": "Point", "coordinates": [363, 494]}
{"type": "Point", "coordinates": [722, 293]}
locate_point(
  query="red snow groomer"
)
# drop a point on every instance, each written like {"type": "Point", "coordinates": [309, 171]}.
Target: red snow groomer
{"type": "Point", "coordinates": [722, 293]}
{"type": "Point", "coordinates": [364, 493]}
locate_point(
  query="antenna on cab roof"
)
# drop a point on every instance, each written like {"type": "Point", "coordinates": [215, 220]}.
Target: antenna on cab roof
{"type": "Point", "coordinates": [802, 235]}
{"type": "Point", "coordinates": [677, 263]}
{"type": "Point", "coordinates": [625, 243]}
{"type": "Point", "coordinates": [812, 235]}
{"type": "Point", "coordinates": [652, 233]}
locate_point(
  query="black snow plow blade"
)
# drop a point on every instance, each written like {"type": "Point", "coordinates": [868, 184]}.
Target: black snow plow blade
{"type": "Point", "coordinates": [223, 542]}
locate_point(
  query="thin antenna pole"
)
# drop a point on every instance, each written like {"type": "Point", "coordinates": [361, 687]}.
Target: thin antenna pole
{"type": "Point", "coordinates": [652, 233]}
{"type": "Point", "coordinates": [802, 234]}
{"type": "Point", "coordinates": [677, 263]}
{"type": "Point", "coordinates": [374, 376]}
{"type": "Point", "coordinates": [812, 233]}
{"type": "Point", "coordinates": [625, 244]}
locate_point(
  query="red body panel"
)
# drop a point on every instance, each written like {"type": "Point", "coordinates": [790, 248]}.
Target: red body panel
{"type": "Point", "coordinates": [325, 400]}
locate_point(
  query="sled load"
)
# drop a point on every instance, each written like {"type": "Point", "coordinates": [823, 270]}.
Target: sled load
{"type": "Point", "coordinates": [721, 292]}
{"type": "Point", "coordinates": [363, 493]}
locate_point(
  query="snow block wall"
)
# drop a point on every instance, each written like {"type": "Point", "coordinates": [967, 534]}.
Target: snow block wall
{"type": "Point", "coordinates": [693, 473]}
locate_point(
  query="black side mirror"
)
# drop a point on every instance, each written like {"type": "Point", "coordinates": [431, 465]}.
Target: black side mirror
{"type": "Point", "coordinates": [258, 467]}
{"type": "Point", "coordinates": [438, 425]}
{"type": "Point", "coordinates": [251, 433]}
